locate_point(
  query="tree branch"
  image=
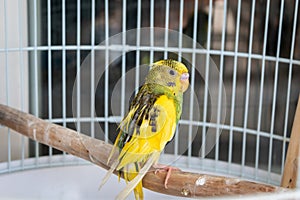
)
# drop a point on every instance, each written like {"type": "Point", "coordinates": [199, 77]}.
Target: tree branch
{"type": "Point", "coordinates": [291, 167]}
{"type": "Point", "coordinates": [180, 183]}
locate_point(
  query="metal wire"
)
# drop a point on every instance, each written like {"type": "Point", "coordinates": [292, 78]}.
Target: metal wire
{"type": "Point", "coordinates": [49, 70]}
{"type": "Point", "coordinates": [78, 124]}
{"type": "Point", "coordinates": [206, 80]}
{"type": "Point", "coordinates": [192, 83]}
{"type": "Point", "coordinates": [36, 84]}
{"type": "Point", "coordinates": [138, 43]}
{"type": "Point", "coordinates": [92, 108]}
{"type": "Point", "coordinates": [181, 28]}
{"type": "Point", "coordinates": [221, 80]}
{"type": "Point", "coordinates": [166, 28]}
{"type": "Point", "coordinates": [22, 92]}
{"type": "Point", "coordinates": [289, 80]}
{"type": "Point", "coordinates": [276, 74]}
{"type": "Point", "coordinates": [275, 89]}
{"type": "Point", "coordinates": [107, 69]}
{"type": "Point", "coordinates": [261, 88]}
{"type": "Point", "coordinates": [248, 90]}
{"type": "Point", "coordinates": [234, 82]}
{"type": "Point", "coordinates": [151, 30]}
{"type": "Point", "coordinates": [7, 86]}
{"type": "Point", "coordinates": [117, 48]}
{"type": "Point", "coordinates": [123, 59]}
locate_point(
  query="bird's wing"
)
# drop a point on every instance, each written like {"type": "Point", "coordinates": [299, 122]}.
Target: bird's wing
{"type": "Point", "coordinates": [141, 111]}
{"type": "Point", "coordinates": [147, 138]}
{"type": "Point", "coordinates": [141, 117]}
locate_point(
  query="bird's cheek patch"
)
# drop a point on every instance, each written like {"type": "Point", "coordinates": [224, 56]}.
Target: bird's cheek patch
{"type": "Point", "coordinates": [171, 84]}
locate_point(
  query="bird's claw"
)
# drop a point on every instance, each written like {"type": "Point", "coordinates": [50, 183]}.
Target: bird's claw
{"type": "Point", "coordinates": [169, 170]}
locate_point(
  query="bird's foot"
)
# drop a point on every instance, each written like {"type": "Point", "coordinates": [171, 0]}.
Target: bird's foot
{"type": "Point", "coordinates": [169, 169]}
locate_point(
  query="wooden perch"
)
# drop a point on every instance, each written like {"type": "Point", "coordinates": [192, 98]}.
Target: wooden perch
{"type": "Point", "coordinates": [181, 183]}
{"type": "Point", "coordinates": [291, 167]}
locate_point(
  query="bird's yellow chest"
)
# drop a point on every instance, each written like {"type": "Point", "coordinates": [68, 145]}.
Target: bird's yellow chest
{"type": "Point", "coordinates": [161, 130]}
{"type": "Point", "coordinates": [168, 129]}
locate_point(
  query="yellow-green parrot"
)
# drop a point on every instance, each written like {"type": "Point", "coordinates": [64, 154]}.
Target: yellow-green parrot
{"type": "Point", "coordinates": [149, 125]}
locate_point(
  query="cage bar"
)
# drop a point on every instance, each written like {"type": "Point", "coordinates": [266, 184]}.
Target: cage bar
{"type": "Point", "coordinates": [21, 54]}
{"type": "Point", "coordinates": [234, 83]}
{"type": "Point", "coordinates": [248, 91]}
{"type": "Point", "coordinates": [276, 72]}
{"type": "Point", "coordinates": [36, 92]}
{"type": "Point", "coordinates": [166, 28]}
{"type": "Point", "coordinates": [192, 72]}
{"type": "Point", "coordinates": [138, 43]}
{"type": "Point", "coordinates": [123, 59]}
{"type": "Point", "coordinates": [181, 27]}
{"type": "Point", "coordinates": [92, 108]}
{"type": "Point", "coordinates": [49, 70]}
{"type": "Point", "coordinates": [289, 81]}
{"type": "Point", "coordinates": [221, 79]}
{"type": "Point", "coordinates": [151, 30]}
{"type": "Point", "coordinates": [262, 83]}
{"type": "Point", "coordinates": [78, 79]}
{"type": "Point", "coordinates": [107, 69]}
{"type": "Point", "coordinates": [7, 86]}
{"type": "Point", "coordinates": [206, 80]}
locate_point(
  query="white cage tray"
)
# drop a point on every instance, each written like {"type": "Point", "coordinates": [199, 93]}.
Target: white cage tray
{"type": "Point", "coordinates": [70, 182]}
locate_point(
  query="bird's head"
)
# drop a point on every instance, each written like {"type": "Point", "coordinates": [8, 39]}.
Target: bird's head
{"type": "Point", "coordinates": [169, 73]}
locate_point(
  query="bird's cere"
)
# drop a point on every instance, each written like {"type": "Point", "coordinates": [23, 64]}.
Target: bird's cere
{"type": "Point", "coordinates": [184, 76]}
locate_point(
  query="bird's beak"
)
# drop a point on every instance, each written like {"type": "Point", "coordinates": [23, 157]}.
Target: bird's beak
{"type": "Point", "coordinates": [184, 77]}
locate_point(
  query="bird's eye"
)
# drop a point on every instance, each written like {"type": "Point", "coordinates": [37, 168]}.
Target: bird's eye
{"type": "Point", "coordinates": [172, 72]}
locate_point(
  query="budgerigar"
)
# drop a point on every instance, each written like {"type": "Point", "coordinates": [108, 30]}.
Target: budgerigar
{"type": "Point", "coordinates": [150, 124]}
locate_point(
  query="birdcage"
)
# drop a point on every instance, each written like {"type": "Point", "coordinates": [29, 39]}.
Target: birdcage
{"type": "Point", "coordinates": [78, 63]}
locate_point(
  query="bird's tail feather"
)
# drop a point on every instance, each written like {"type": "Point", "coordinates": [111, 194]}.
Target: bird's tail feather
{"type": "Point", "coordinates": [109, 173]}
{"type": "Point", "coordinates": [113, 149]}
{"type": "Point", "coordinates": [113, 166]}
{"type": "Point", "coordinates": [138, 191]}
{"type": "Point", "coordinates": [136, 183]}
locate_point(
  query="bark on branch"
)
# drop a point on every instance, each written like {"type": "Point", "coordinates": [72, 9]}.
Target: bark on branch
{"type": "Point", "coordinates": [181, 183]}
